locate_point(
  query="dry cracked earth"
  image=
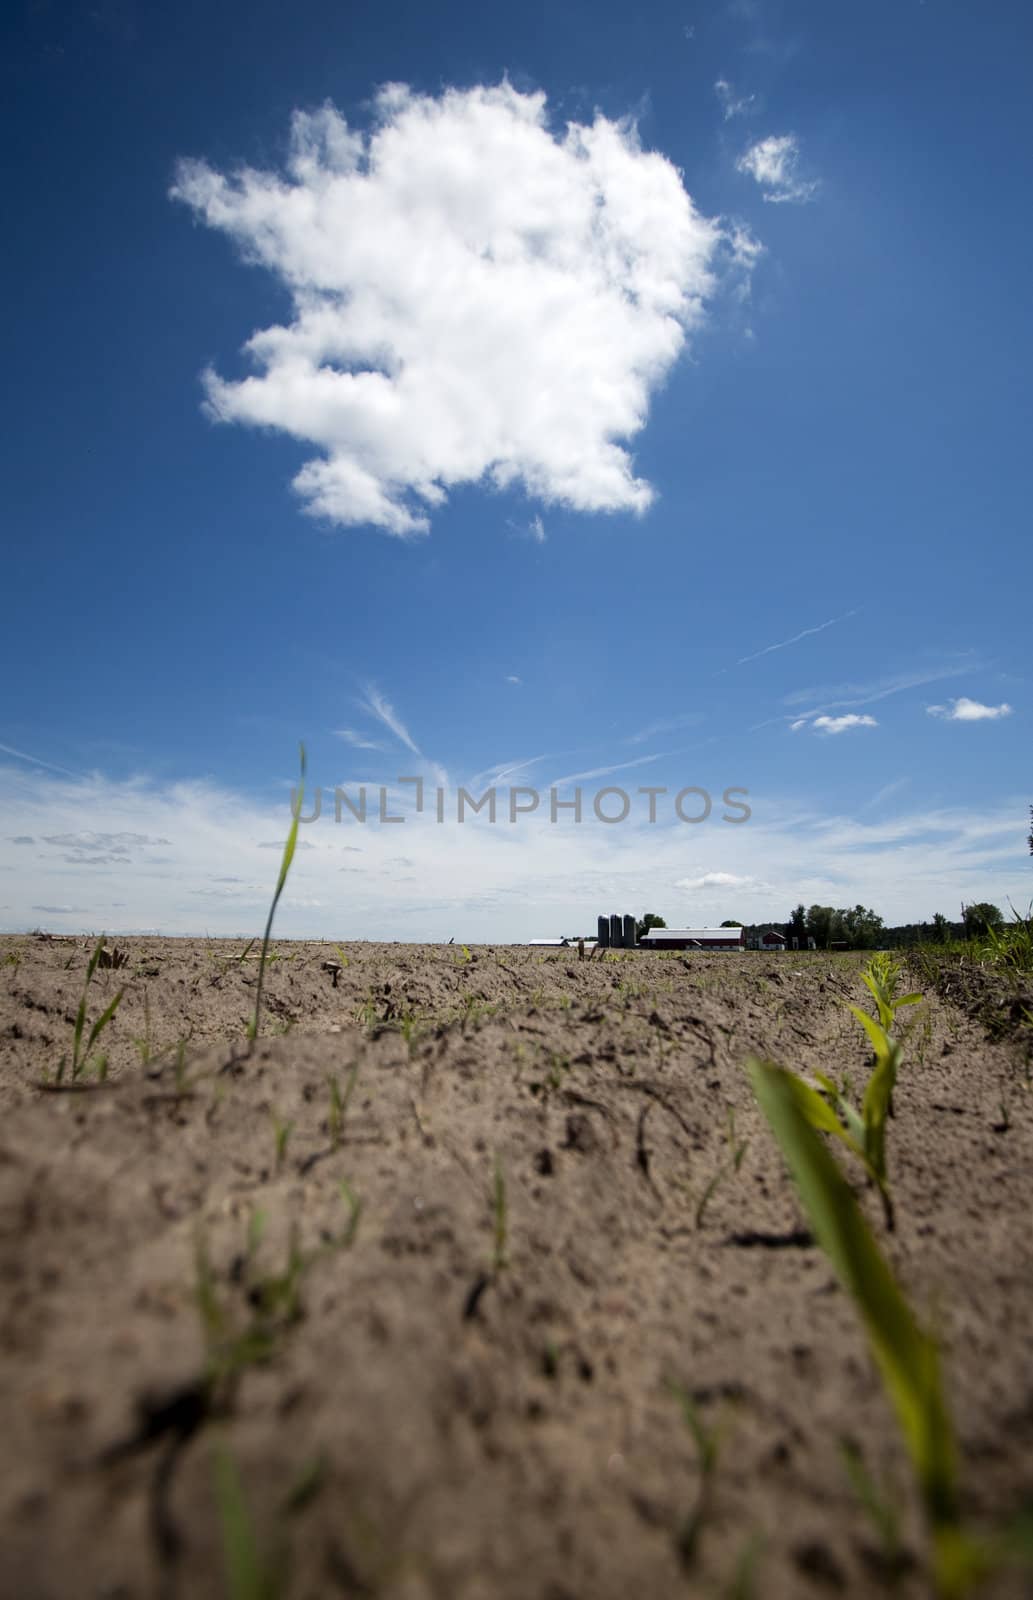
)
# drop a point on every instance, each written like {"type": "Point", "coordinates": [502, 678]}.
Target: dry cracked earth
{"type": "Point", "coordinates": [404, 1300]}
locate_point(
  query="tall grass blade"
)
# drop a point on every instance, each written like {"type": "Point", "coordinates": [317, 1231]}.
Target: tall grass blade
{"type": "Point", "coordinates": [248, 1575]}
{"type": "Point", "coordinates": [907, 1358]}
{"type": "Point", "coordinates": [285, 867]}
{"type": "Point", "coordinates": [102, 1021]}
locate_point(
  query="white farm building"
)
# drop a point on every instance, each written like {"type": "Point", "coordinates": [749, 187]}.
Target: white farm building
{"type": "Point", "coordinates": [693, 939]}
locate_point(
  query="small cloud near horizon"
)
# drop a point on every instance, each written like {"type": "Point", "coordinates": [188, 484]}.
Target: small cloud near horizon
{"type": "Point", "coordinates": [716, 880]}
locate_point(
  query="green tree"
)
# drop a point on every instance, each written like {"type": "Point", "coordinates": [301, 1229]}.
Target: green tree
{"type": "Point", "coordinates": [825, 926]}
{"type": "Point", "coordinates": [941, 928]}
{"type": "Point", "coordinates": [863, 928]}
{"type": "Point", "coordinates": [732, 924]}
{"type": "Point", "coordinates": [649, 920]}
{"type": "Point", "coordinates": [798, 927]}
{"type": "Point", "coordinates": [980, 918]}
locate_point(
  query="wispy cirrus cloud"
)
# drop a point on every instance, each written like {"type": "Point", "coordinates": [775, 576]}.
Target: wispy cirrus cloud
{"type": "Point", "coordinates": [533, 530]}
{"type": "Point", "coordinates": [965, 710]}
{"type": "Point", "coordinates": [374, 704]}
{"type": "Point", "coordinates": [732, 103]}
{"type": "Point", "coordinates": [358, 740]}
{"type": "Point", "coordinates": [604, 772]}
{"type": "Point", "coordinates": [896, 786]}
{"type": "Point", "coordinates": [504, 771]}
{"type": "Point", "coordinates": [848, 696]}
{"type": "Point", "coordinates": [23, 755]}
{"type": "Point", "coordinates": [774, 163]}
{"type": "Point", "coordinates": [480, 881]}
{"type": "Point", "coordinates": [687, 719]}
{"type": "Point", "coordinates": [805, 633]}
{"type": "Point", "coordinates": [475, 297]}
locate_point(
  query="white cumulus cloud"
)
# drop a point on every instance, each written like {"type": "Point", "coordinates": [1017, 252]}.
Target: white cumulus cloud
{"type": "Point", "coordinates": [842, 724]}
{"type": "Point", "coordinates": [715, 880]}
{"type": "Point", "coordinates": [965, 710]}
{"type": "Point", "coordinates": [474, 297]}
{"type": "Point", "coordinates": [831, 725]}
{"type": "Point", "coordinates": [775, 164]}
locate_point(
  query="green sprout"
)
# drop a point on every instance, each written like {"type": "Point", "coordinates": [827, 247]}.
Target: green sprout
{"type": "Point", "coordinates": [281, 1134]}
{"type": "Point", "coordinates": [285, 867]}
{"type": "Point", "coordinates": [500, 1217]}
{"type": "Point", "coordinates": [81, 1053]}
{"type": "Point", "coordinates": [737, 1149]}
{"type": "Point", "coordinates": [250, 1575]}
{"type": "Point", "coordinates": [882, 975]}
{"type": "Point", "coordinates": [339, 1105]}
{"type": "Point", "coordinates": [864, 1131]}
{"type": "Point", "coordinates": [144, 1045]}
{"type": "Point", "coordinates": [880, 1507]}
{"type": "Point", "coordinates": [345, 1240]}
{"type": "Point", "coordinates": [707, 1441]}
{"type": "Point", "coordinates": [907, 1358]}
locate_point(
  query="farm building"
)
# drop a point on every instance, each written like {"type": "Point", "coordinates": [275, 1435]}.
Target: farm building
{"type": "Point", "coordinates": [693, 939]}
{"type": "Point", "coordinates": [770, 939]}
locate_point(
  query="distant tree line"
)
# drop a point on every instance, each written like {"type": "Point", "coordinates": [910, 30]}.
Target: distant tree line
{"type": "Point", "coordinates": [858, 927]}
{"type": "Point", "coordinates": [840, 928]}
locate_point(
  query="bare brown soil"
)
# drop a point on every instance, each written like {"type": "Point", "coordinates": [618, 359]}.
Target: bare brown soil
{"type": "Point", "coordinates": [441, 1407]}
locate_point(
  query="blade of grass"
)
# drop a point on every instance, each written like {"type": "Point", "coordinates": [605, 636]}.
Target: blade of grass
{"type": "Point", "coordinates": [907, 1358]}
{"type": "Point", "coordinates": [102, 1021]}
{"type": "Point", "coordinates": [248, 1575]}
{"type": "Point", "coordinates": [500, 1218]}
{"type": "Point", "coordinates": [285, 867]}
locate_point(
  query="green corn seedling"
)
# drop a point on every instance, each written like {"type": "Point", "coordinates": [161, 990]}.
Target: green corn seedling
{"type": "Point", "coordinates": [500, 1218]}
{"type": "Point", "coordinates": [737, 1149]}
{"type": "Point", "coordinates": [345, 1240]}
{"type": "Point", "coordinates": [281, 1135]}
{"type": "Point", "coordinates": [339, 1105]}
{"type": "Point", "coordinates": [335, 1116]}
{"type": "Point", "coordinates": [144, 1045]}
{"type": "Point", "coordinates": [81, 1053]}
{"type": "Point", "coordinates": [707, 1441]}
{"type": "Point", "coordinates": [250, 1575]}
{"type": "Point", "coordinates": [907, 1358]}
{"type": "Point", "coordinates": [864, 1131]}
{"type": "Point", "coordinates": [880, 1507]}
{"type": "Point", "coordinates": [285, 867]}
{"type": "Point", "coordinates": [882, 975]}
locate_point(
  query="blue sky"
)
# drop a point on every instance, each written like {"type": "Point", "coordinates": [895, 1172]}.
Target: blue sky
{"type": "Point", "coordinates": [633, 394]}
